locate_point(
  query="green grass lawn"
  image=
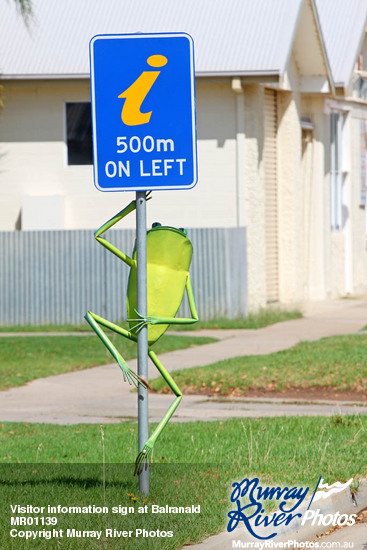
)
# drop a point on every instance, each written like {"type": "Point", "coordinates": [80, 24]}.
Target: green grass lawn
{"type": "Point", "coordinates": [338, 362]}
{"type": "Point", "coordinates": [194, 463]}
{"type": "Point", "coordinates": [24, 359]}
{"type": "Point", "coordinates": [84, 327]}
{"type": "Point", "coordinates": [260, 319]}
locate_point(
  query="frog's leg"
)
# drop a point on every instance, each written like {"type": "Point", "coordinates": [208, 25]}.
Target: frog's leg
{"type": "Point", "coordinates": [94, 321]}
{"type": "Point", "coordinates": [150, 320]}
{"type": "Point", "coordinates": [143, 456]}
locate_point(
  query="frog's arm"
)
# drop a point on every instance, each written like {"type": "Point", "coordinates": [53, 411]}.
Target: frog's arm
{"type": "Point", "coordinates": [95, 321]}
{"type": "Point", "coordinates": [129, 208]}
{"type": "Point", "coordinates": [150, 320]}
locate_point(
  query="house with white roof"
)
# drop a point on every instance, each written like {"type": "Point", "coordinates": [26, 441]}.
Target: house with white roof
{"type": "Point", "coordinates": [280, 122]}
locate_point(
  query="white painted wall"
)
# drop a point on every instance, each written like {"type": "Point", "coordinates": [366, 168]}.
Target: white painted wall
{"type": "Point", "coordinates": [33, 160]}
{"type": "Point", "coordinates": [40, 212]}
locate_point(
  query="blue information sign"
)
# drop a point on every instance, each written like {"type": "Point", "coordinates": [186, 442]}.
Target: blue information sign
{"type": "Point", "coordinates": [143, 112]}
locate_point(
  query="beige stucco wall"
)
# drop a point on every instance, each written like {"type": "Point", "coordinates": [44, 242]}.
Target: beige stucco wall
{"type": "Point", "coordinates": [290, 192]}
{"type": "Point", "coordinates": [33, 160]}
{"type": "Point", "coordinates": [255, 195]}
{"type": "Point", "coordinates": [324, 249]}
{"type": "Point", "coordinates": [346, 254]}
{"type": "Point", "coordinates": [337, 265]}
{"type": "Point", "coordinates": [358, 225]}
{"type": "Point", "coordinates": [313, 260]}
{"type": "Point", "coordinates": [327, 262]}
{"type": "Point", "coordinates": [316, 199]}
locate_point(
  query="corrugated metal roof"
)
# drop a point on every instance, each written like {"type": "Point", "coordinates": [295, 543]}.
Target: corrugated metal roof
{"type": "Point", "coordinates": [231, 36]}
{"type": "Point", "coordinates": [343, 23]}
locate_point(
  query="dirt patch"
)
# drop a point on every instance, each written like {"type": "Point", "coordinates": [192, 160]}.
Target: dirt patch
{"type": "Point", "coordinates": [361, 518]}
{"type": "Point", "coordinates": [307, 394]}
{"type": "Point", "coordinates": [318, 393]}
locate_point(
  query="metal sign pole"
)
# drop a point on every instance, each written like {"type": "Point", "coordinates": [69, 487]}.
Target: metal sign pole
{"type": "Point", "coordinates": [141, 256]}
{"type": "Point", "coordinates": [129, 145]}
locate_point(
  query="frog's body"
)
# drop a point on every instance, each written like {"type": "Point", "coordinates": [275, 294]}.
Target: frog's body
{"type": "Point", "coordinates": [167, 275]}
{"type": "Point", "coordinates": [169, 254]}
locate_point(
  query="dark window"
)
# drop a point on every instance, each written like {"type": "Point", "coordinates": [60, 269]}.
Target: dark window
{"type": "Point", "coordinates": [79, 133]}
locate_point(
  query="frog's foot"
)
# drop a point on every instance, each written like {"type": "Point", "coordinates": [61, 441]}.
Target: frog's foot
{"type": "Point", "coordinates": [130, 375]}
{"type": "Point", "coordinates": [143, 458]}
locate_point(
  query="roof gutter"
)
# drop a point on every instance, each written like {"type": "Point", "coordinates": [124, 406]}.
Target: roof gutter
{"type": "Point", "coordinates": [248, 76]}
{"type": "Point", "coordinates": [254, 76]}
{"type": "Point", "coordinates": [45, 76]}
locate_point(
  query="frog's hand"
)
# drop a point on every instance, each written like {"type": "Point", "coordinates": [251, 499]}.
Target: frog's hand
{"type": "Point", "coordinates": [143, 457]}
{"type": "Point", "coordinates": [95, 321]}
{"type": "Point", "coordinates": [142, 321]}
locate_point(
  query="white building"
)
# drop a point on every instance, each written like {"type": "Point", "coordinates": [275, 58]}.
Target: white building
{"type": "Point", "coordinates": [281, 129]}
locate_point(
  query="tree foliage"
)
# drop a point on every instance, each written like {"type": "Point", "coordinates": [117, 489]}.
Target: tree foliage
{"type": "Point", "coordinates": [25, 9]}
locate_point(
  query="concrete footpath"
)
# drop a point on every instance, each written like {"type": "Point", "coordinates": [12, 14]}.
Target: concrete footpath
{"type": "Point", "coordinates": [100, 395]}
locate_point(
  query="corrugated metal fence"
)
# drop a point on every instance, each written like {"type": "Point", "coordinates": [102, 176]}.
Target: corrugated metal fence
{"type": "Point", "coordinates": [56, 276]}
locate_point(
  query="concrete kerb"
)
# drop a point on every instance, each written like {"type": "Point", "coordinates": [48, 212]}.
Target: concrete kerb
{"type": "Point", "coordinates": [344, 502]}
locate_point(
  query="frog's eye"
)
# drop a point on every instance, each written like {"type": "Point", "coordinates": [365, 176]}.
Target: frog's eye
{"type": "Point", "coordinates": [183, 231]}
{"type": "Point", "coordinates": [156, 224]}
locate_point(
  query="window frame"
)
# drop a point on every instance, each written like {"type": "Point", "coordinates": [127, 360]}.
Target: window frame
{"type": "Point", "coordinates": [66, 148]}
{"type": "Point", "coordinates": [339, 167]}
